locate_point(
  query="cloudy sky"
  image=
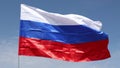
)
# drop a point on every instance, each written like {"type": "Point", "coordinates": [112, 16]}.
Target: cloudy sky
{"type": "Point", "coordinates": [107, 11]}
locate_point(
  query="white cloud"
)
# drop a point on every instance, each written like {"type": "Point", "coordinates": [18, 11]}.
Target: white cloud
{"type": "Point", "coordinates": [8, 53]}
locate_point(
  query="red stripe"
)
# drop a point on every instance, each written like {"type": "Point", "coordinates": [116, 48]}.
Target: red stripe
{"type": "Point", "coordinates": [70, 52]}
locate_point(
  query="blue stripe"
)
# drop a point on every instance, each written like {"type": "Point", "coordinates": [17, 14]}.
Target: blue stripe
{"type": "Point", "coordinates": [62, 33]}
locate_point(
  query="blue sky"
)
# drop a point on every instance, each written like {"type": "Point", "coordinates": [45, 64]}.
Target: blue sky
{"type": "Point", "coordinates": [107, 11]}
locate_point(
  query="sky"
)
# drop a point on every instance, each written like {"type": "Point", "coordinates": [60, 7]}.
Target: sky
{"type": "Point", "coordinates": [106, 11]}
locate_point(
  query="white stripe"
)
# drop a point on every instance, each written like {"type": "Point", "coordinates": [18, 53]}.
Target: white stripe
{"type": "Point", "coordinates": [38, 15]}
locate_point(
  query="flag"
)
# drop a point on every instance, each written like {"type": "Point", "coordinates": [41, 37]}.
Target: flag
{"type": "Point", "coordinates": [68, 37]}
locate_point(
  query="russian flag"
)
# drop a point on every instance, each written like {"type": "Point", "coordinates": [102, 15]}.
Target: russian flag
{"type": "Point", "coordinates": [68, 37]}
